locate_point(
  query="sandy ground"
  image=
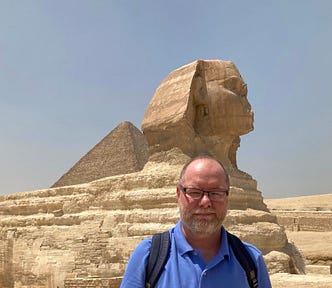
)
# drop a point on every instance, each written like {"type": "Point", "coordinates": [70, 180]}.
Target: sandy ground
{"type": "Point", "coordinates": [322, 202]}
{"type": "Point", "coordinates": [301, 281]}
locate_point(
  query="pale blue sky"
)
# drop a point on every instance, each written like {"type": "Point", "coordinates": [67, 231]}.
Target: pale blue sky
{"type": "Point", "coordinates": [71, 71]}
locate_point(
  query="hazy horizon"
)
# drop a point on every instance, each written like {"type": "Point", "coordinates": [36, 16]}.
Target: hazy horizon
{"type": "Point", "coordinates": [70, 72]}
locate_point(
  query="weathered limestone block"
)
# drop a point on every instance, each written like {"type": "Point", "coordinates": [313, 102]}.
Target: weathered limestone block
{"type": "Point", "coordinates": [319, 221]}
{"type": "Point", "coordinates": [92, 282]}
{"type": "Point", "coordinates": [277, 262]}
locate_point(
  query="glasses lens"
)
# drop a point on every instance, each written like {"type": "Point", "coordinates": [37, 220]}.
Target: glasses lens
{"type": "Point", "coordinates": [217, 196]}
{"type": "Point", "coordinates": [196, 194]}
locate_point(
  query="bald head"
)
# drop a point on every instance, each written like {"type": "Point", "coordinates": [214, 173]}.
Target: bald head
{"type": "Point", "coordinates": [204, 166]}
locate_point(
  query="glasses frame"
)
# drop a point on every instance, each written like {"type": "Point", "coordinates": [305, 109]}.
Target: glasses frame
{"type": "Point", "coordinates": [203, 192]}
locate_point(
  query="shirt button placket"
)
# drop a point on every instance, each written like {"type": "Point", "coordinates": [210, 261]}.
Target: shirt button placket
{"type": "Point", "coordinates": [203, 281]}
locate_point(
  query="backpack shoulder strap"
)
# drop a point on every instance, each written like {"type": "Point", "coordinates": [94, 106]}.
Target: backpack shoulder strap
{"type": "Point", "coordinates": [158, 256]}
{"type": "Point", "coordinates": [243, 256]}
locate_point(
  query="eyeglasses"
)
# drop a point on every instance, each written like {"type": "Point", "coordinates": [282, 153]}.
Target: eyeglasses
{"type": "Point", "coordinates": [197, 194]}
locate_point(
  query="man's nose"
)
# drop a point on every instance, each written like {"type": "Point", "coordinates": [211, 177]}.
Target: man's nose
{"type": "Point", "coordinates": [205, 200]}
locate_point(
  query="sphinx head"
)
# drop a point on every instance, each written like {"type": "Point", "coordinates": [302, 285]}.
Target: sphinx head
{"type": "Point", "coordinates": [221, 105]}
{"type": "Point", "coordinates": [200, 107]}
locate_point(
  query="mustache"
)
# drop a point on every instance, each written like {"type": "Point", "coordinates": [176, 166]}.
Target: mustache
{"type": "Point", "coordinates": [200, 210]}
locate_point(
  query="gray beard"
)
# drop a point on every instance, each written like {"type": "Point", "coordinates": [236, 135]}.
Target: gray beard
{"type": "Point", "coordinates": [201, 226]}
{"type": "Point", "coordinates": [198, 225]}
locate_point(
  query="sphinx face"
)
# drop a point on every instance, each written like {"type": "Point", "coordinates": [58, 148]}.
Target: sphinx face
{"type": "Point", "coordinates": [224, 108]}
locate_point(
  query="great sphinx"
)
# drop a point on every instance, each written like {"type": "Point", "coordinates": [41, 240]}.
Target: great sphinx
{"type": "Point", "coordinates": [202, 107]}
{"type": "Point", "coordinates": [60, 236]}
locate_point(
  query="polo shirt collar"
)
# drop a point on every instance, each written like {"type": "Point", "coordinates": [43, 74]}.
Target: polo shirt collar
{"type": "Point", "coordinates": [184, 247]}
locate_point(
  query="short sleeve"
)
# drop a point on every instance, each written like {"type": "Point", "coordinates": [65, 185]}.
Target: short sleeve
{"type": "Point", "coordinates": [134, 276]}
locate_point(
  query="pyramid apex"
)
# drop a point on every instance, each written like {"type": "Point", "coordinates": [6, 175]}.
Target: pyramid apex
{"type": "Point", "coordinates": [124, 150]}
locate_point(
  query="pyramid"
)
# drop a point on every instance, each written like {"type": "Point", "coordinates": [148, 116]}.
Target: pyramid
{"type": "Point", "coordinates": [124, 150]}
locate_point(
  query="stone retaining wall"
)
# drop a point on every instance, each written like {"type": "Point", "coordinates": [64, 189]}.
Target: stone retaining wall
{"type": "Point", "coordinates": [317, 221]}
{"type": "Point", "coordinates": [92, 282]}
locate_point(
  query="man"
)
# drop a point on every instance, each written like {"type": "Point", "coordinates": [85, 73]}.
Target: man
{"type": "Point", "coordinates": [200, 255]}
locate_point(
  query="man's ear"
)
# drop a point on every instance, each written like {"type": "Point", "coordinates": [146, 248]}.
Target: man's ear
{"type": "Point", "coordinates": [177, 191]}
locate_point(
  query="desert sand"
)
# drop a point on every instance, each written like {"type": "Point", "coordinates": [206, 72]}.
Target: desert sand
{"type": "Point", "coordinates": [321, 202]}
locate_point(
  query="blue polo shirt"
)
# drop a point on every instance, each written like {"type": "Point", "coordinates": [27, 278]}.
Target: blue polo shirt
{"type": "Point", "coordinates": [186, 266]}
